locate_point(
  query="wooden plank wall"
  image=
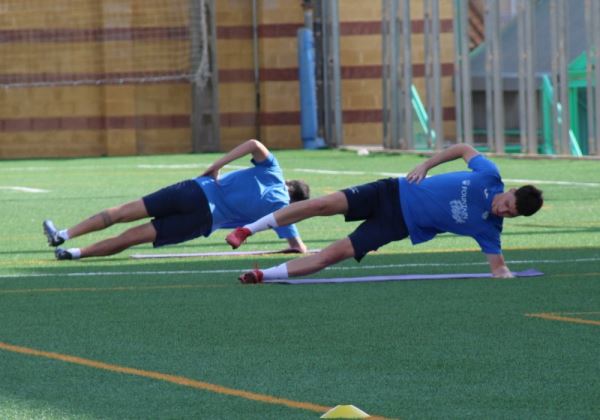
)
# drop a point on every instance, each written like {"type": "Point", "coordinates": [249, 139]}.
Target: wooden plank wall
{"type": "Point", "coordinates": [152, 118]}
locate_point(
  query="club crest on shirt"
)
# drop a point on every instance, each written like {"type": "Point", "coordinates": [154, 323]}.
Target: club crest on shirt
{"type": "Point", "coordinates": [458, 208]}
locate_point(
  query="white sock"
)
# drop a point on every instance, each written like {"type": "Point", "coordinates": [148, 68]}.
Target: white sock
{"type": "Point", "coordinates": [64, 234]}
{"type": "Point", "coordinates": [278, 272]}
{"type": "Point", "coordinates": [264, 223]}
{"type": "Point", "coordinates": [75, 253]}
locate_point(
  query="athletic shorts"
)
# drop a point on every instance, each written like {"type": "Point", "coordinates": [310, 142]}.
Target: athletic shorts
{"type": "Point", "coordinates": [180, 213]}
{"type": "Point", "coordinates": [378, 204]}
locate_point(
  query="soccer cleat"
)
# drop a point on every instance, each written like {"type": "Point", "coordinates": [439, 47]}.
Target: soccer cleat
{"type": "Point", "coordinates": [251, 277]}
{"type": "Point", "coordinates": [52, 233]}
{"type": "Point", "coordinates": [238, 236]}
{"type": "Point", "coordinates": [62, 254]}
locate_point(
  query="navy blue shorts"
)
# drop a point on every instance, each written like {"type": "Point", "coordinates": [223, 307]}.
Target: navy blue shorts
{"type": "Point", "coordinates": [378, 204]}
{"type": "Point", "coordinates": [180, 213]}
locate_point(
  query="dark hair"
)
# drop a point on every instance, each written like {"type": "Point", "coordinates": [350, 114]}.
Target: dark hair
{"type": "Point", "coordinates": [298, 190]}
{"type": "Point", "coordinates": [529, 200]}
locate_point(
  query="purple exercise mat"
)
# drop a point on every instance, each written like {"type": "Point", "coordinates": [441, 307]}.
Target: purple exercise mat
{"type": "Point", "coordinates": [402, 277]}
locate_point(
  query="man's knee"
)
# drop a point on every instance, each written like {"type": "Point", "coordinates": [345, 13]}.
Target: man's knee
{"type": "Point", "coordinates": [127, 212]}
{"type": "Point", "coordinates": [108, 217]}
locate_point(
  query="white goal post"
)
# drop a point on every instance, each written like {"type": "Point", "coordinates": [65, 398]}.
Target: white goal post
{"type": "Point", "coordinates": [54, 43]}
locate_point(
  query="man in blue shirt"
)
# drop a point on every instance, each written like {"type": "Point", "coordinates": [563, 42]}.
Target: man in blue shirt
{"type": "Point", "coordinates": [193, 208]}
{"type": "Point", "coordinates": [465, 203]}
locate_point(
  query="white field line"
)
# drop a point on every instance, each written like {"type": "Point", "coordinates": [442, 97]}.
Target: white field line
{"type": "Point", "coordinates": [401, 174]}
{"type": "Point", "coordinates": [179, 166]}
{"type": "Point", "coordinates": [186, 166]}
{"type": "Point", "coordinates": [311, 171]}
{"type": "Point", "coordinates": [565, 183]}
{"type": "Point", "coordinates": [238, 271]}
{"type": "Point", "coordinates": [140, 166]}
{"type": "Point", "coordinates": [26, 169]}
{"type": "Point", "coordinates": [24, 189]}
{"type": "Point", "coordinates": [386, 174]}
{"type": "Point", "coordinates": [330, 172]}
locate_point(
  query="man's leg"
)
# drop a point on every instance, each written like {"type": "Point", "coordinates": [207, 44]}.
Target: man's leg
{"type": "Point", "coordinates": [127, 212]}
{"type": "Point", "coordinates": [334, 253]}
{"type": "Point", "coordinates": [134, 236]}
{"type": "Point", "coordinates": [124, 213]}
{"type": "Point", "coordinates": [335, 203]}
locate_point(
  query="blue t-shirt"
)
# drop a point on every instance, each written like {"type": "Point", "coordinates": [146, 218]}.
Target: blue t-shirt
{"type": "Point", "coordinates": [456, 202]}
{"type": "Point", "coordinates": [244, 196]}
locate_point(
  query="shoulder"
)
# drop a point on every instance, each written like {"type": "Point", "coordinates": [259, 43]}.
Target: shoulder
{"type": "Point", "coordinates": [480, 163]}
{"type": "Point", "coordinates": [268, 161]}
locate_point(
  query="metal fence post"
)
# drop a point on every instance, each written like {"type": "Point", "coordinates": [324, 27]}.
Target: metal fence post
{"type": "Point", "coordinates": [205, 85]}
{"type": "Point", "coordinates": [560, 102]}
{"type": "Point", "coordinates": [390, 63]}
{"type": "Point", "coordinates": [590, 54]}
{"type": "Point", "coordinates": [407, 114]}
{"type": "Point", "coordinates": [462, 77]}
{"type": "Point", "coordinates": [332, 91]}
{"type": "Point", "coordinates": [494, 93]}
{"type": "Point", "coordinates": [432, 72]}
{"type": "Point", "coordinates": [563, 62]}
{"type": "Point", "coordinates": [592, 13]}
{"type": "Point", "coordinates": [527, 81]}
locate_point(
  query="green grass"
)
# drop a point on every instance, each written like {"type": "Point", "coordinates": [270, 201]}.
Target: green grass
{"type": "Point", "coordinates": [439, 349]}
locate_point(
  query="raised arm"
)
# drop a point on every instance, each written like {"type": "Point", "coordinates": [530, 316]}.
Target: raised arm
{"type": "Point", "coordinates": [498, 266]}
{"type": "Point", "coordinates": [257, 149]}
{"type": "Point", "coordinates": [451, 153]}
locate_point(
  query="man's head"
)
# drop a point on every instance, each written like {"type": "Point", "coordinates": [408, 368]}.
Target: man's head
{"type": "Point", "coordinates": [298, 190]}
{"type": "Point", "coordinates": [524, 201]}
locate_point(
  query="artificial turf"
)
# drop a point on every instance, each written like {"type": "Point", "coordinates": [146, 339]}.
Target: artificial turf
{"type": "Point", "coordinates": [422, 349]}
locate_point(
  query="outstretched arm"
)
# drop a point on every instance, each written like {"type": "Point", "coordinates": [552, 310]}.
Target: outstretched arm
{"type": "Point", "coordinates": [452, 153]}
{"type": "Point", "coordinates": [498, 266]}
{"type": "Point", "coordinates": [257, 149]}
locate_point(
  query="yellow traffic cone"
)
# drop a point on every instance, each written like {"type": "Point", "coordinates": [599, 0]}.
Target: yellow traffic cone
{"type": "Point", "coordinates": [345, 412]}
